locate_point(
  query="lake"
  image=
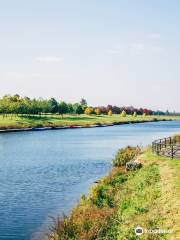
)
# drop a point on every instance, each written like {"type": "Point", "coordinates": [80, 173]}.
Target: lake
{"type": "Point", "coordinates": [44, 173]}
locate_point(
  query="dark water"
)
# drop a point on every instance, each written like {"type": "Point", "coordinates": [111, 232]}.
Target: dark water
{"type": "Point", "coordinates": [43, 173]}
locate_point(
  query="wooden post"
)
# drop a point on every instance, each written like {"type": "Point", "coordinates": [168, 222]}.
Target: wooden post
{"type": "Point", "coordinates": [165, 142]}
{"type": "Point", "coordinates": [172, 152]}
{"type": "Point", "coordinates": [157, 148]}
{"type": "Point", "coordinates": [160, 144]}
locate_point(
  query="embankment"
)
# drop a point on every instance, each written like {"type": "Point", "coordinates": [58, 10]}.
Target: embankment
{"type": "Point", "coordinates": [120, 202]}
{"type": "Point", "coordinates": [20, 128]}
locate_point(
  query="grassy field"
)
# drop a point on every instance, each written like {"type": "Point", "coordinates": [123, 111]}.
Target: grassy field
{"type": "Point", "coordinates": [71, 120]}
{"type": "Point", "coordinates": [149, 198]}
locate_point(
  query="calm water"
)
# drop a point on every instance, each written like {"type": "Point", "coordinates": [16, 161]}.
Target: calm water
{"type": "Point", "coordinates": [43, 173]}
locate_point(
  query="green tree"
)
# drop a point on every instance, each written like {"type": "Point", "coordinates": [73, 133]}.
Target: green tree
{"type": "Point", "coordinates": [53, 106]}
{"type": "Point", "coordinates": [79, 109]}
{"type": "Point", "coordinates": [63, 108]}
{"type": "Point", "coordinates": [70, 108]}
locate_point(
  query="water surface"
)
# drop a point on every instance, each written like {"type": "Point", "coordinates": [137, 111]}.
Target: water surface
{"type": "Point", "coordinates": [43, 173]}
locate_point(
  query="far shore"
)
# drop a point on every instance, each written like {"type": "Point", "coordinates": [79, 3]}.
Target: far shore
{"type": "Point", "coordinates": [20, 129]}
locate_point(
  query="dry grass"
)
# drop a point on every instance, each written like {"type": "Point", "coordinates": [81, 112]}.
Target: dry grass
{"type": "Point", "coordinates": [94, 216]}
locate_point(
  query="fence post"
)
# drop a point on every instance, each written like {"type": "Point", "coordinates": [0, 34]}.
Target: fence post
{"type": "Point", "coordinates": [165, 142]}
{"type": "Point", "coordinates": [157, 148]}
{"type": "Point", "coordinates": [172, 152]}
{"type": "Point", "coordinates": [166, 146]}
{"type": "Point", "coordinates": [160, 144]}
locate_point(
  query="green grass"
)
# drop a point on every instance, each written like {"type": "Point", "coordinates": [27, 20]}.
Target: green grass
{"type": "Point", "coordinates": [120, 202]}
{"type": "Point", "coordinates": [137, 200]}
{"type": "Point", "coordinates": [150, 199]}
{"type": "Point", "coordinates": [71, 120]}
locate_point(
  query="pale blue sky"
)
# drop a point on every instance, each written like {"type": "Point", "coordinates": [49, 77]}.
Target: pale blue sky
{"type": "Point", "coordinates": [118, 52]}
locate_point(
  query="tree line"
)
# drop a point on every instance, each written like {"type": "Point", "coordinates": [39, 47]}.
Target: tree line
{"type": "Point", "coordinates": [24, 105]}
{"type": "Point", "coordinates": [15, 104]}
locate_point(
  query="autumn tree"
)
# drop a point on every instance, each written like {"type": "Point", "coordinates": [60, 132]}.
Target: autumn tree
{"type": "Point", "coordinates": [83, 102]}
{"type": "Point", "coordinates": [98, 111]}
{"type": "Point", "coordinates": [110, 113]}
{"type": "Point", "coordinates": [109, 107]}
{"type": "Point", "coordinates": [88, 110]}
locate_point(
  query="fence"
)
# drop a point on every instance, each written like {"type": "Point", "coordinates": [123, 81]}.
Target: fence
{"type": "Point", "coordinates": [169, 147]}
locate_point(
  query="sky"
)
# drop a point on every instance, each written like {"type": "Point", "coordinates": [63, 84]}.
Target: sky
{"type": "Point", "coordinates": [109, 52]}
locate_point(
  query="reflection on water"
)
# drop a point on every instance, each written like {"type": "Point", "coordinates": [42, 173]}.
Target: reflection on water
{"type": "Point", "coordinates": [44, 173]}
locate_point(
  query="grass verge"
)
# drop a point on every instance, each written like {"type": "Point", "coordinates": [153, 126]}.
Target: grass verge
{"type": "Point", "coordinates": [120, 202]}
{"type": "Point", "coordinates": [25, 121]}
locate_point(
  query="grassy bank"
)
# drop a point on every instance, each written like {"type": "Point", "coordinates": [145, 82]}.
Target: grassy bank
{"type": "Point", "coordinates": [17, 122]}
{"type": "Point", "coordinates": [148, 197]}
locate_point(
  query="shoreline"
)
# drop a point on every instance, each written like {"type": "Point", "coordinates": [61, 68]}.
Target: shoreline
{"type": "Point", "coordinates": [9, 130]}
{"type": "Point", "coordinates": [126, 195]}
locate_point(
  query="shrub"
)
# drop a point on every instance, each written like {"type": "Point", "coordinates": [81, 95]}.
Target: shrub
{"type": "Point", "coordinates": [102, 196]}
{"type": "Point", "coordinates": [98, 111]}
{"type": "Point", "coordinates": [125, 155]}
{"type": "Point", "coordinates": [88, 110]}
{"type": "Point", "coordinates": [93, 218]}
{"type": "Point", "coordinates": [134, 114]}
{"type": "Point", "coordinates": [123, 113]}
{"type": "Point", "coordinates": [110, 113]}
{"type": "Point", "coordinates": [64, 228]}
{"type": "Point", "coordinates": [86, 222]}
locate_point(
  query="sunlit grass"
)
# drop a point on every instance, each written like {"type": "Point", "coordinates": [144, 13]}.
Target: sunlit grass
{"type": "Point", "coordinates": [120, 202]}
{"type": "Point", "coordinates": [13, 121]}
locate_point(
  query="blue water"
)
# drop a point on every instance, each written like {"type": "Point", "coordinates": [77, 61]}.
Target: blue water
{"type": "Point", "coordinates": [44, 173]}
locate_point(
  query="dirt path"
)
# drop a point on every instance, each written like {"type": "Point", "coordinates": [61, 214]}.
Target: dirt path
{"type": "Point", "coordinates": [170, 199]}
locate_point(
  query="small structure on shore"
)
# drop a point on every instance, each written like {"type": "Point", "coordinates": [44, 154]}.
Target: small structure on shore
{"type": "Point", "coordinates": [133, 165]}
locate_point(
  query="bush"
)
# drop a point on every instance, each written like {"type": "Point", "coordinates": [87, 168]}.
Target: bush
{"type": "Point", "coordinates": [134, 114]}
{"type": "Point", "coordinates": [88, 110]}
{"type": "Point", "coordinates": [110, 113]}
{"type": "Point", "coordinates": [123, 113]}
{"type": "Point", "coordinates": [125, 155]}
{"type": "Point", "coordinates": [93, 218]}
{"type": "Point", "coordinates": [102, 195]}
